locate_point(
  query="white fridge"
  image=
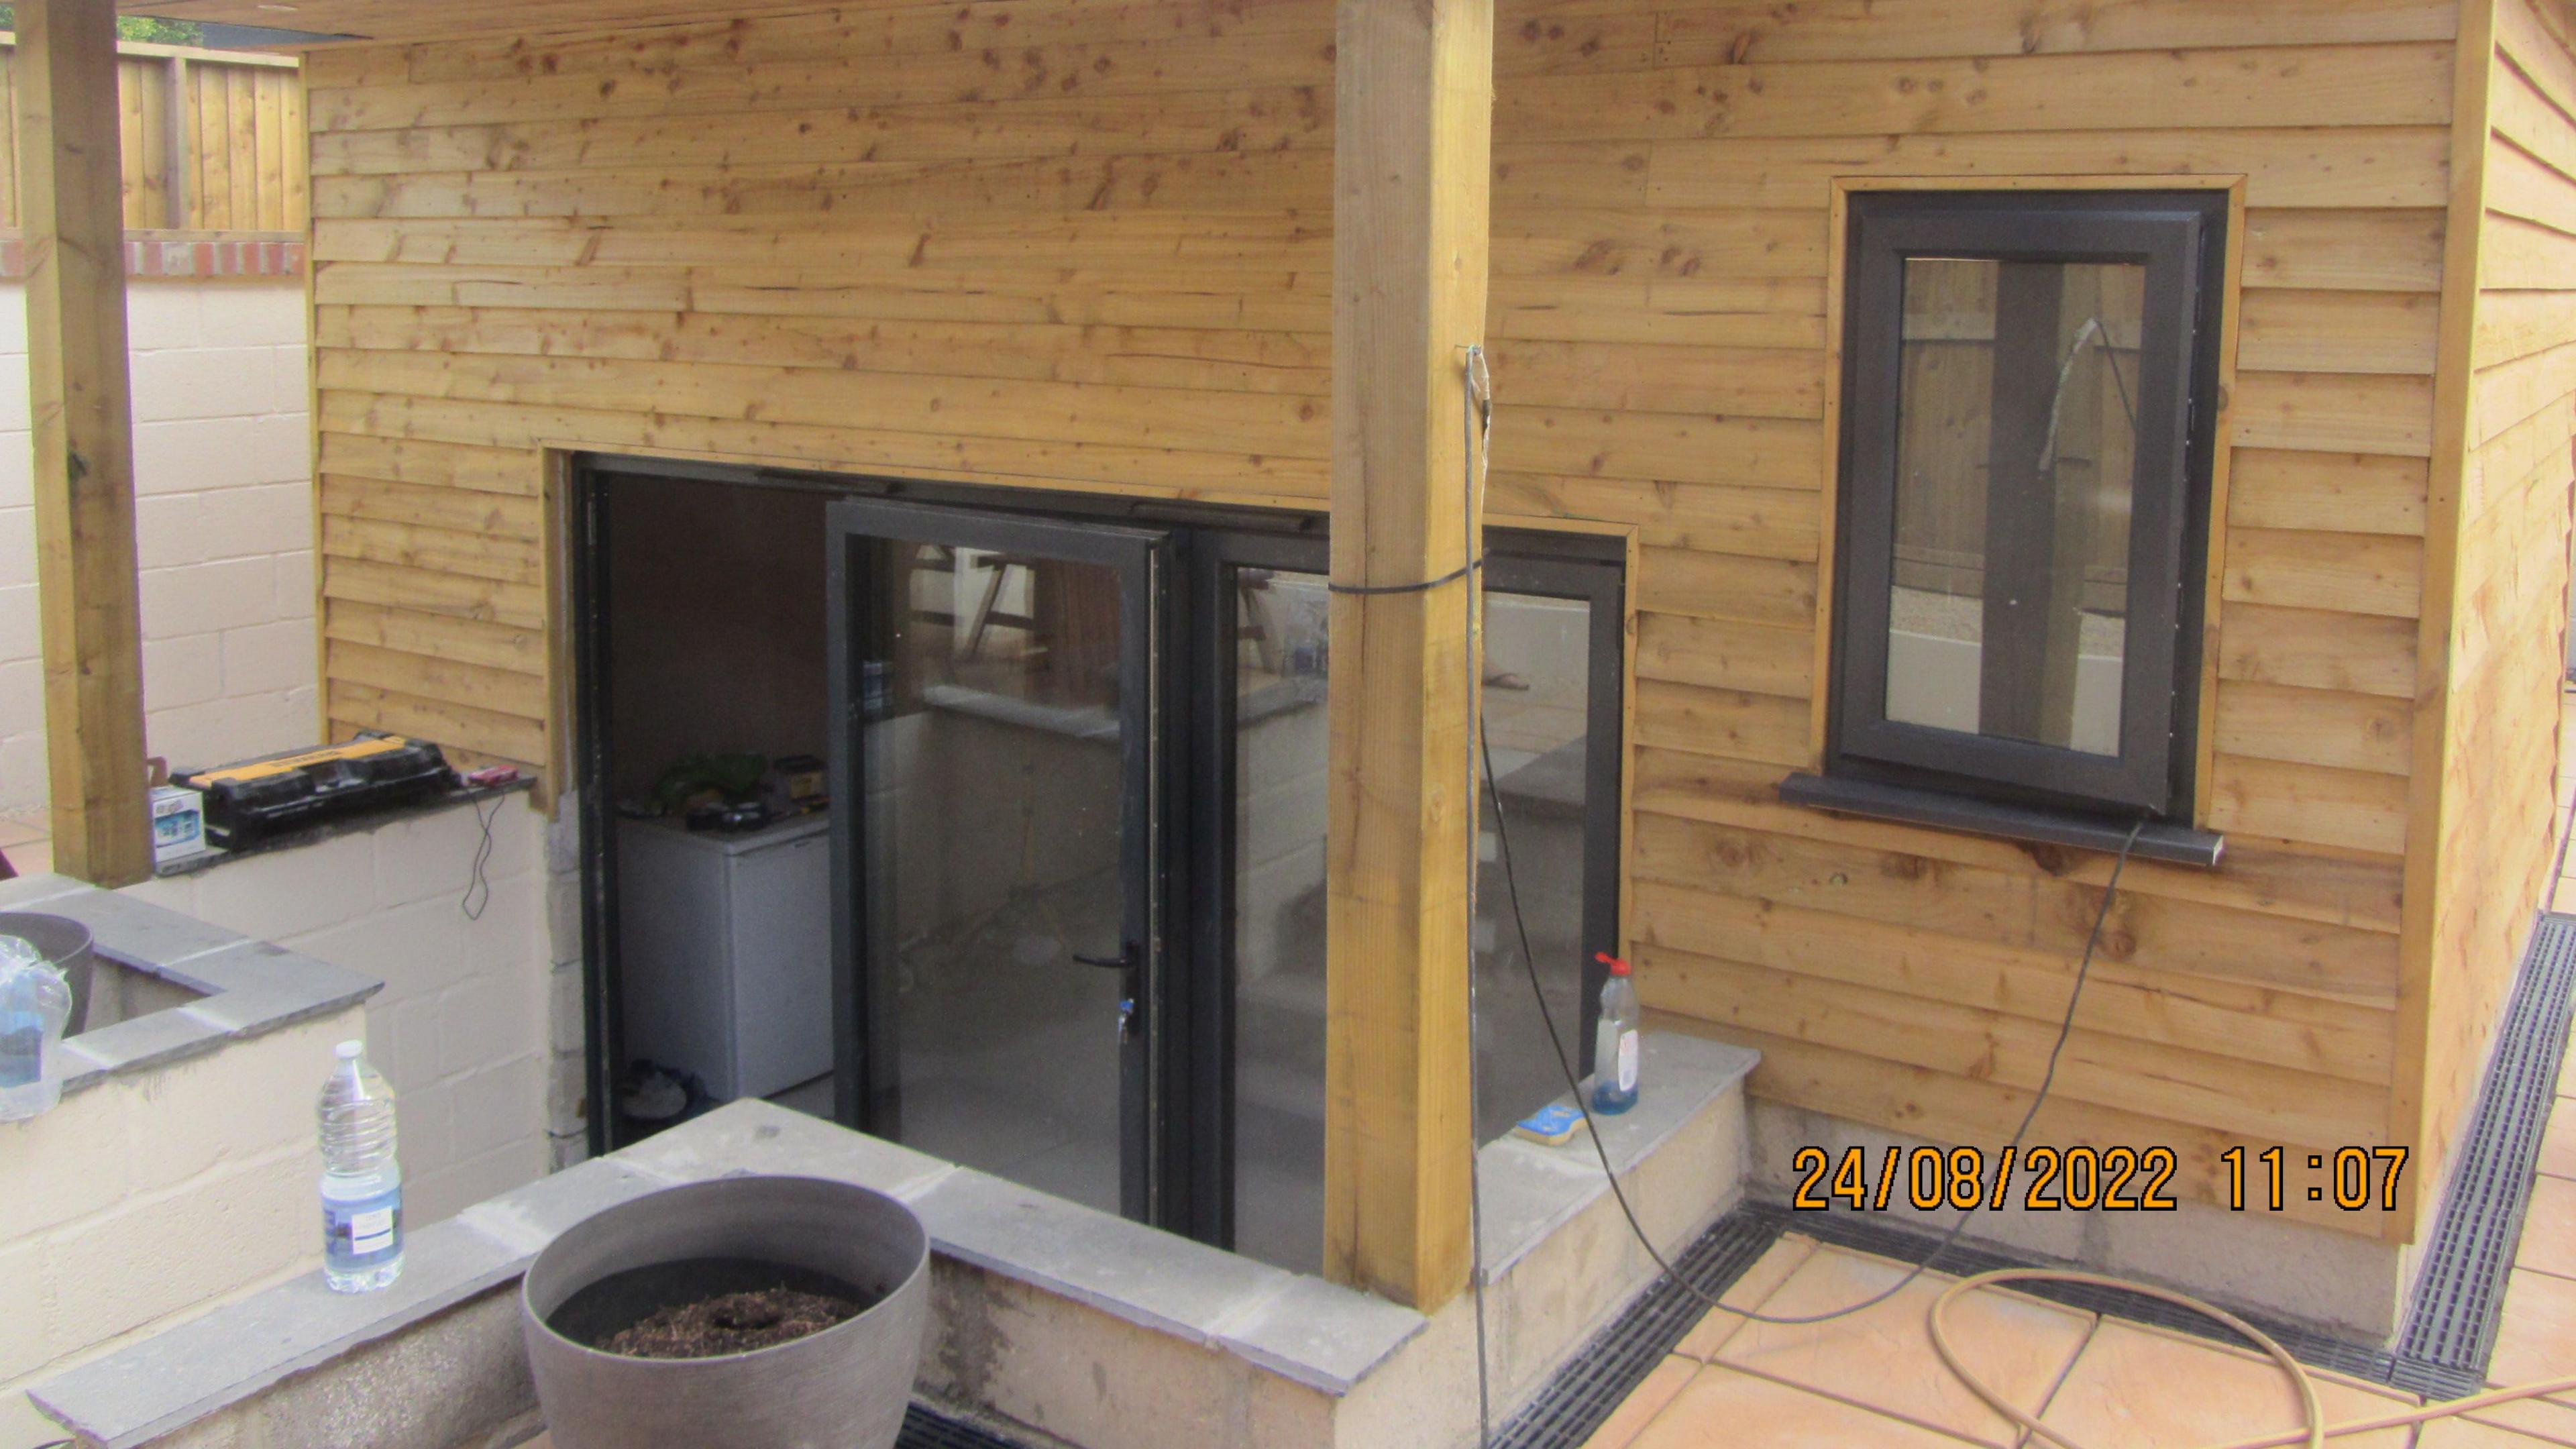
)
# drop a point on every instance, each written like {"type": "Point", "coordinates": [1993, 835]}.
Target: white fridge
{"type": "Point", "coordinates": [725, 951]}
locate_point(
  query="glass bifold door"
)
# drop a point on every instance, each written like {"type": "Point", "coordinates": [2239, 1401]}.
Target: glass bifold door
{"type": "Point", "coordinates": [1079, 925]}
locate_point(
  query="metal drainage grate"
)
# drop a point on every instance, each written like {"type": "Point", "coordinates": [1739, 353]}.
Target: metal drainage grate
{"type": "Point", "coordinates": [1600, 1378]}
{"type": "Point", "coordinates": [2459, 1295]}
{"type": "Point", "coordinates": [927, 1428]}
{"type": "Point", "coordinates": [2450, 1326]}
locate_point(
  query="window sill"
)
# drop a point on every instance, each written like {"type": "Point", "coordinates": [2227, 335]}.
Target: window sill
{"type": "Point", "coordinates": [2178, 844]}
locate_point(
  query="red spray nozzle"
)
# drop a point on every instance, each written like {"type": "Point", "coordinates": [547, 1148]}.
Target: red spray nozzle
{"type": "Point", "coordinates": [1618, 967]}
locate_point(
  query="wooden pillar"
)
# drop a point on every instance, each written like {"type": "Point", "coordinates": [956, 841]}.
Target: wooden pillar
{"type": "Point", "coordinates": [1412, 163]}
{"type": "Point", "coordinates": [87, 596]}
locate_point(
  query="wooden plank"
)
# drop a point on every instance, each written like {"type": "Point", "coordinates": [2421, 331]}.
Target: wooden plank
{"type": "Point", "coordinates": [2261, 1099]}
{"type": "Point", "coordinates": [1924, 1103]}
{"type": "Point", "coordinates": [2009, 908]}
{"type": "Point", "coordinates": [2519, 324]}
{"type": "Point", "coordinates": [456, 510]}
{"type": "Point", "coordinates": [1668, 448]}
{"type": "Point", "coordinates": [2335, 492]}
{"type": "Point", "coordinates": [434, 550]}
{"type": "Point", "coordinates": [1225, 360]}
{"type": "Point", "coordinates": [2397, 166]}
{"type": "Point", "coordinates": [2297, 86]}
{"type": "Point", "coordinates": [268, 96]}
{"type": "Point", "coordinates": [1262, 119]}
{"type": "Point", "coordinates": [1777, 592]}
{"type": "Point", "coordinates": [1721, 654]}
{"type": "Point", "coordinates": [2327, 332]}
{"type": "Point", "coordinates": [1153, 417]}
{"type": "Point", "coordinates": [2329, 250]}
{"type": "Point", "coordinates": [464, 641]}
{"type": "Point", "coordinates": [501, 691]}
{"type": "Point", "coordinates": [2331, 413]}
{"type": "Point", "coordinates": [2315, 727]}
{"type": "Point", "coordinates": [1740, 382]}
{"type": "Point", "coordinates": [1734, 723]}
{"type": "Point", "coordinates": [484, 731]}
{"type": "Point", "coordinates": [1772, 523]}
{"type": "Point", "coordinates": [2355, 808]}
{"type": "Point", "coordinates": [2330, 887]}
{"type": "Point", "coordinates": [177, 142]}
{"type": "Point", "coordinates": [2318, 649]}
{"type": "Point", "coordinates": [2352, 573]}
{"type": "Point", "coordinates": [88, 603]}
{"type": "Point", "coordinates": [1414, 90]}
{"type": "Point", "coordinates": [1763, 30]}
{"type": "Point", "coordinates": [431, 591]}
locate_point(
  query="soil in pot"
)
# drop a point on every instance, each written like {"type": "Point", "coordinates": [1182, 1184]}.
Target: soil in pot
{"type": "Point", "coordinates": [706, 1307]}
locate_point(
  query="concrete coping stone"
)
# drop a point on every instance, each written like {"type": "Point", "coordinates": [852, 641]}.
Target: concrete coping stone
{"type": "Point", "coordinates": [1316, 1333]}
{"type": "Point", "coordinates": [245, 988]}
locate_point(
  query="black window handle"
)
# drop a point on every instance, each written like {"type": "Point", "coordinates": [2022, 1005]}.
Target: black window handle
{"type": "Point", "coordinates": [1120, 962]}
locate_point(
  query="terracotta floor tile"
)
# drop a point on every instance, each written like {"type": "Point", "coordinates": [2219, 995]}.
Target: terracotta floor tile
{"type": "Point", "coordinates": [2469, 1434]}
{"type": "Point", "coordinates": [2549, 1227]}
{"type": "Point", "coordinates": [2547, 1419]}
{"type": "Point", "coordinates": [1648, 1399]}
{"type": "Point", "coordinates": [1722, 1407]}
{"type": "Point", "coordinates": [1758, 1282]}
{"type": "Point", "coordinates": [2558, 1143]}
{"type": "Point", "coordinates": [1882, 1358]}
{"type": "Point", "coordinates": [2135, 1387]}
{"type": "Point", "coordinates": [2537, 1338]}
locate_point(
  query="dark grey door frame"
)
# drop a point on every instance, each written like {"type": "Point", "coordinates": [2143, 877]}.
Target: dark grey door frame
{"type": "Point", "coordinates": [866, 1078]}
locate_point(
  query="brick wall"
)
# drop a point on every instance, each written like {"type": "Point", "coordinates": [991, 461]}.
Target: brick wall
{"type": "Point", "coordinates": [224, 525]}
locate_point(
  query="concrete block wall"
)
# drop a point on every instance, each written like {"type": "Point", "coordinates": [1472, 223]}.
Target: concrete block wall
{"type": "Point", "coordinates": [462, 1028]}
{"type": "Point", "coordinates": [224, 527]}
{"type": "Point", "coordinates": [151, 1197]}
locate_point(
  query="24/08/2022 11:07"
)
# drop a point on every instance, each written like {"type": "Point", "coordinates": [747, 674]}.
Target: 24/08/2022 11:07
{"type": "Point", "coordinates": [2081, 1178]}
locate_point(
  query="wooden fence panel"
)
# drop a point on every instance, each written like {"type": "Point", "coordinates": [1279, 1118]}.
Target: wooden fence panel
{"type": "Point", "coordinates": [211, 140]}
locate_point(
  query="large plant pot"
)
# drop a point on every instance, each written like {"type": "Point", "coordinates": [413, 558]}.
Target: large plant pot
{"type": "Point", "coordinates": [843, 1388]}
{"type": "Point", "coordinates": [66, 944]}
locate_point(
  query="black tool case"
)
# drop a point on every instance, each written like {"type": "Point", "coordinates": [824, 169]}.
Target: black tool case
{"type": "Point", "coordinates": [255, 799]}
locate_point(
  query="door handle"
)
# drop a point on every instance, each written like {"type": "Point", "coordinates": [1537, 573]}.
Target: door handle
{"type": "Point", "coordinates": [1126, 956]}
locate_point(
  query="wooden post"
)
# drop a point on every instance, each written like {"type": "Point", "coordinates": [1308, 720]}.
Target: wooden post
{"type": "Point", "coordinates": [178, 156]}
{"type": "Point", "coordinates": [88, 599]}
{"type": "Point", "coordinates": [1412, 166]}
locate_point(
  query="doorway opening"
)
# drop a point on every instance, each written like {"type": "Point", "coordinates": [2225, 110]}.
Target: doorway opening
{"type": "Point", "coordinates": [1056, 910]}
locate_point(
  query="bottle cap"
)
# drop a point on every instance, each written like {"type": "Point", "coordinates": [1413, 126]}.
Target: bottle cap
{"type": "Point", "coordinates": [350, 1051]}
{"type": "Point", "coordinates": [1617, 966]}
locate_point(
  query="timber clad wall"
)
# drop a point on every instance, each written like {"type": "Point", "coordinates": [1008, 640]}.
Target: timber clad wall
{"type": "Point", "coordinates": [1087, 244]}
{"type": "Point", "coordinates": [2506, 656]}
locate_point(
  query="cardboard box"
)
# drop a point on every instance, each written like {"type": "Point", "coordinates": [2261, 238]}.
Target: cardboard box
{"type": "Point", "coordinates": [178, 823]}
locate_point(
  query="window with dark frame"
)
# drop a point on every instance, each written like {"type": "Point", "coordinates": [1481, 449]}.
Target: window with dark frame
{"type": "Point", "coordinates": [2029, 399]}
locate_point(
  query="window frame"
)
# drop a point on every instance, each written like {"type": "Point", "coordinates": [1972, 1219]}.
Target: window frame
{"type": "Point", "coordinates": [2180, 236]}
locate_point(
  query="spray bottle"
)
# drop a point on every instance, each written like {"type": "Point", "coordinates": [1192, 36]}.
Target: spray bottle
{"type": "Point", "coordinates": [1615, 1043]}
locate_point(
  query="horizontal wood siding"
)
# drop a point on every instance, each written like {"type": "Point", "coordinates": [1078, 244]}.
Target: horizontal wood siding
{"type": "Point", "coordinates": [1662, 226]}
{"type": "Point", "coordinates": [1084, 247]}
{"type": "Point", "coordinates": [2507, 641]}
{"type": "Point", "coordinates": [1088, 245]}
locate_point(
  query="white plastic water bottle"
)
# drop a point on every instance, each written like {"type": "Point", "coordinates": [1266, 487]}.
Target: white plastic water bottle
{"type": "Point", "coordinates": [35, 1003]}
{"type": "Point", "coordinates": [362, 1233]}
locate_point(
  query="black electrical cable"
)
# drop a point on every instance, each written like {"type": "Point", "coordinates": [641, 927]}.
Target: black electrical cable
{"type": "Point", "coordinates": [1529, 962]}
{"type": "Point", "coordinates": [1424, 587]}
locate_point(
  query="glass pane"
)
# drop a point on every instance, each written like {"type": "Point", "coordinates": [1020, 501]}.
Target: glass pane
{"type": "Point", "coordinates": [995, 788]}
{"type": "Point", "coordinates": [1537, 684]}
{"type": "Point", "coordinates": [2016, 467]}
{"type": "Point", "coordinates": [1279, 808]}
{"type": "Point", "coordinates": [1538, 689]}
